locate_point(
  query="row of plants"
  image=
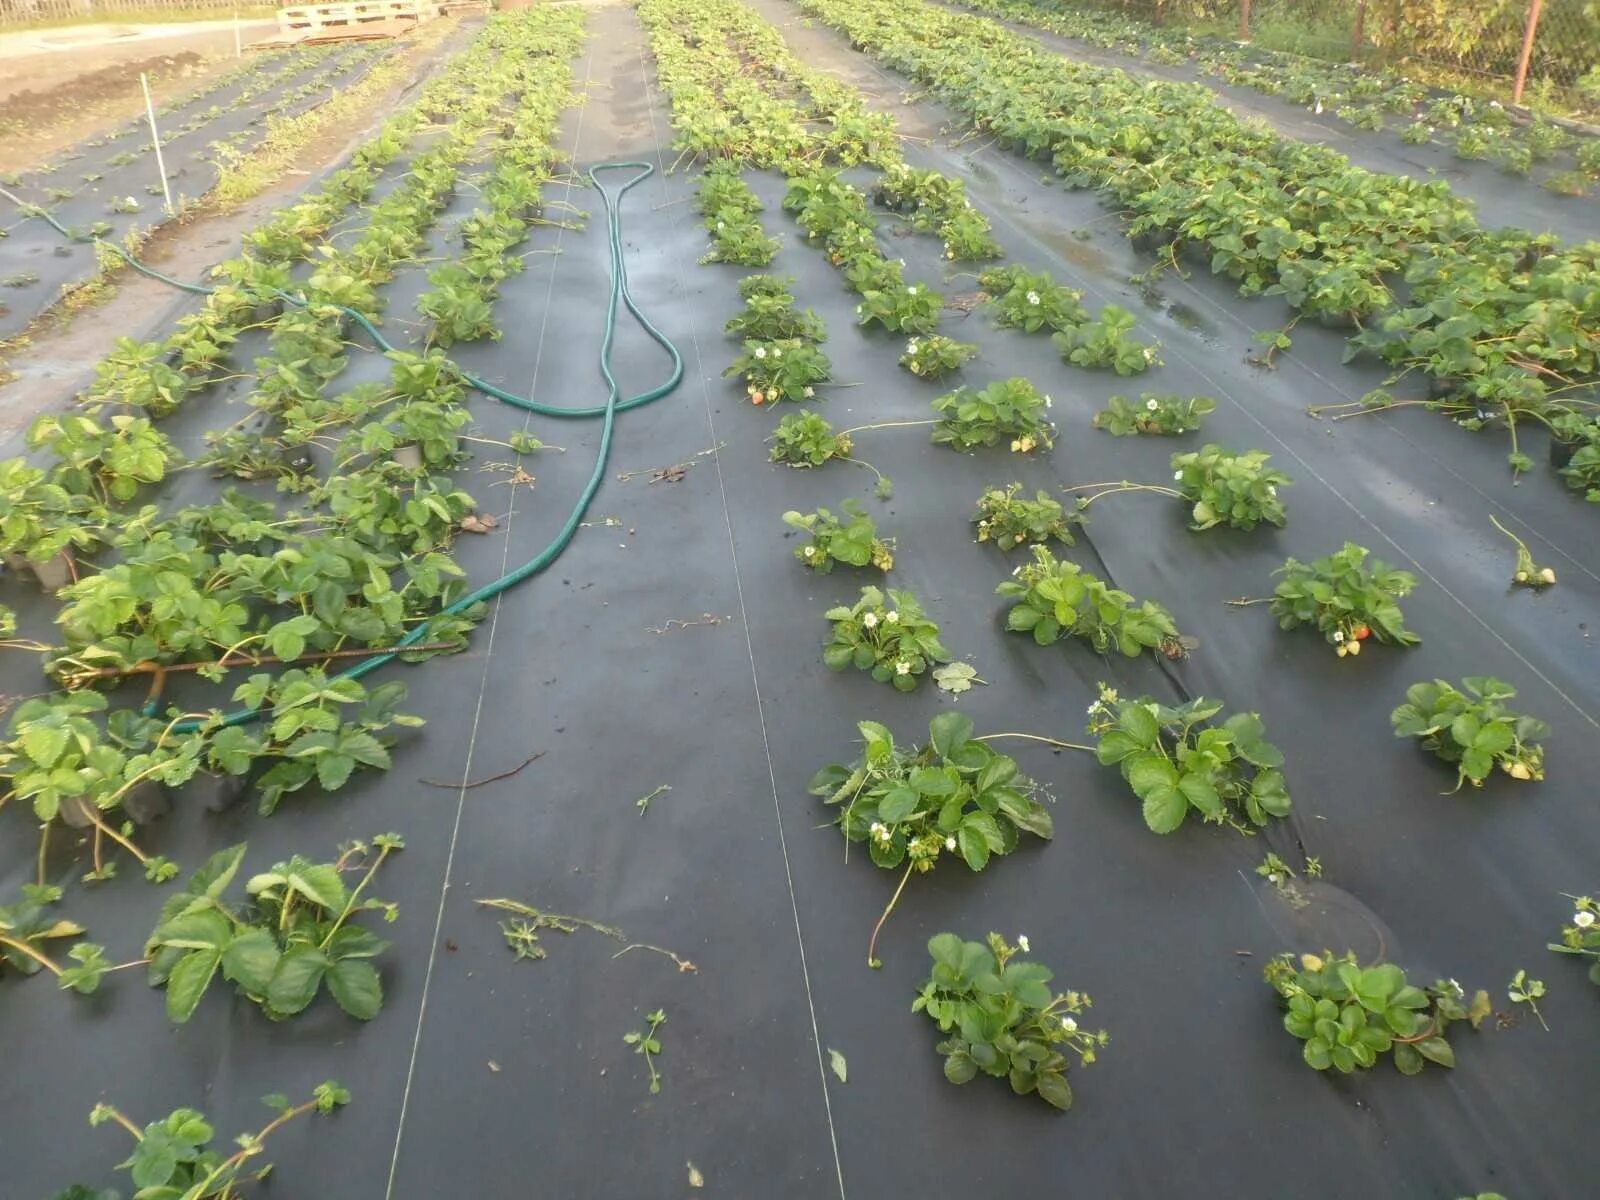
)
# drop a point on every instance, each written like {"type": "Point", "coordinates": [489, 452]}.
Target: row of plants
{"type": "Point", "coordinates": [1499, 320]}
{"type": "Point", "coordinates": [462, 292]}
{"type": "Point", "coordinates": [236, 583]}
{"type": "Point", "coordinates": [739, 95]}
{"type": "Point", "coordinates": [356, 559]}
{"type": "Point", "coordinates": [1357, 94]}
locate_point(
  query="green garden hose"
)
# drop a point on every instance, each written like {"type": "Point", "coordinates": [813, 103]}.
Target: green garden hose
{"type": "Point", "coordinates": [607, 412]}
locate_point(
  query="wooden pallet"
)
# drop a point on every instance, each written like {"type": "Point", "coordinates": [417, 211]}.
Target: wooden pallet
{"type": "Point", "coordinates": [318, 17]}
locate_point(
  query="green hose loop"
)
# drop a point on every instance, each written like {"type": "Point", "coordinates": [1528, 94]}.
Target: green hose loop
{"type": "Point", "coordinates": [607, 411]}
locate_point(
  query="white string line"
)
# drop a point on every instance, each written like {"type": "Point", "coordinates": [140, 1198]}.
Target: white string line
{"type": "Point", "coordinates": [488, 659]}
{"type": "Point", "coordinates": [755, 682]}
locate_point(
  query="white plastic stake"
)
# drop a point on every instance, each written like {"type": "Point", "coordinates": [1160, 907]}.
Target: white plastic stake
{"type": "Point", "coordinates": [155, 138]}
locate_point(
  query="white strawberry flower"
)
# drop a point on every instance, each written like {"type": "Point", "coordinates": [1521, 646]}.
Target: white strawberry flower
{"type": "Point", "coordinates": [810, 392]}
{"type": "Point", "coordinates": [902, 667]}
{"type": "Point", "coordinates": [1583, 919]}
{"type": "Point", "coordinates": [1177, 474]}
{"type": "Point", "coordinates": [1022, 943]}
{"type": "Point", "coordinates": [810, 551]}
{"type": "Point", "coordinates": [891, 616]}
{"type": "Point", "coordinates": [761, 351]}
{"type": "Point", "coordinates": [1033, 297]}
{"type": "Point", "coordinates": [1048, 402]}
{"type": "Point", "coordinates": [1152, 404]}
{"type": "Point", "coordinates": [950, 844]}
{"type": "Point", "coordinates": [912, 290]}
{"type": "Point", "coordinates": [1068, 1024]}
{"type": "Point", "coordinates": [1338, 635]}
{"type": "Point", "coordinates": [870, 620]}
{"type": "Point", "coordinates": [1272, 489]}
{"type": "Point", "coordinates": [777, 352]}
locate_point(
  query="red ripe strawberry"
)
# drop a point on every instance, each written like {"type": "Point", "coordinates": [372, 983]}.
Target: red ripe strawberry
{"type": "Point", "coordinates": [1362, 633]}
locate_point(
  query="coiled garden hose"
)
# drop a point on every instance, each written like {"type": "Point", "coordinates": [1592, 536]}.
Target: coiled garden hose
{"type": "Point", "coordinates": [608, 411]}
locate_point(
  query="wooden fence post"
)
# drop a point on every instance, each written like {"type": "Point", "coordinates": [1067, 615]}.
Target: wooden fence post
{"type": "Point", "coordinates": [1534, 8]}
{"type": "Point", "coordinates": [1244, 20]}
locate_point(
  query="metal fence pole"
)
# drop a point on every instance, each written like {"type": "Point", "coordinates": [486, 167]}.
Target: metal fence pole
{"type": "Point", "coordinates": [1534, 8]}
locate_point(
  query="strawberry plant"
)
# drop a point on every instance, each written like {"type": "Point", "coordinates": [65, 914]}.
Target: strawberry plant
{"type": "Point", "coordinates": [1105, 343]}
{"type": "Point", "coordinates": [295, 935]}
{"type": "Point", "coordinates": [911, 805]}
{"type": "Point", "coordinates": [935, 357]}
{"type": "Point", "coordinates": [1345, 599]}
{"type": "Point", "coordinates": [138, 376]}
{"type": "Point", "coordinates": [1229, 489]}
{"type": "Point", "coordinates": [1347, 1014]}
{"type": "Point", "coordinates": [1011, 408]}
{"type": "Point", "coordinates": [111, 462]}
{"type": "Point", "coordinates": [39, 518]}
{"type": "Point", "coordinates": [936, 203]}
{"type": "Point", "coordinates": [173, 1157]}
{"type": "Point", "coordinates": [1168, 415]}
{"type": "Point", "coordinates": [853, 541]}
{"type": "Point", "coordinates": [739, 240]}
{"type": "Point", "coordinates": [910, 308]}
{"type": "Point", "coordinates": [1003, 1017]}
{"type": "Point", "coordinates": [1052, 599]}
{"type": "Point", "coordinates": [890, 637]}
{"type": "Point", "coordinates": [28, 927]}
{"type": "Point", "coordinates": [1473, 729]}
{"type": "Point", "coordinates": [769, 313]}
{"type": "Point", "coordinates": [63, 764]}
{"type": "Point", "coordinates": [1031, 300]}
{"type": "Point", "coordinates": [730, 207]}
{"type": "Point", "coordinates": [1579, 936]}
{"type": "Point", "coordinates": [805, 440]}
{"type": "Point", "coordinates": [787, 369]}
{"type": "Point", "coordinates": [1008, 520]}
{"type": "Point", "coordinates": [1175, 762]}
{"type": "Point", "coordinates": [307, 733]}
{"type": "Point", "coordinates": [459, 304]}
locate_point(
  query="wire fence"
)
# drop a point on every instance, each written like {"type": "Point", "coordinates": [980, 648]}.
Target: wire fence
{"type": "Point", "coordinates": [1549, 43]}
{"type": "Point", "coordinates": [21, 13]}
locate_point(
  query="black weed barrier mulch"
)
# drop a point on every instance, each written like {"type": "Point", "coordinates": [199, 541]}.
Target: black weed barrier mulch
{"type": "Point", "coordinates": [677, 642]}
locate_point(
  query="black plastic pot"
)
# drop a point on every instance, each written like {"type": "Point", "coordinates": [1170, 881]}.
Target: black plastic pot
{"type": "Point", "coordinates": [218, 791]}
{"type": "Point", "coordinates": [1150, 241]}
{"type": "Point", "coordinates": [1440, 386]}
{"type": "Point", "coordinates": [1561, 452]}
{"type": "Point", "coordinates": [146, 801]}
{"type": "Point", "coordinates": [409, 456]}
{"type": "Point", "coordinates": [78, 812]}
{"type": "Point", "coordinates": [56, 573]}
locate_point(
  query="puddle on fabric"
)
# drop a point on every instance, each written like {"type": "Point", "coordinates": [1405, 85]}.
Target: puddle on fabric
{"type": "Point", "coordinates": [1065, 243]}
